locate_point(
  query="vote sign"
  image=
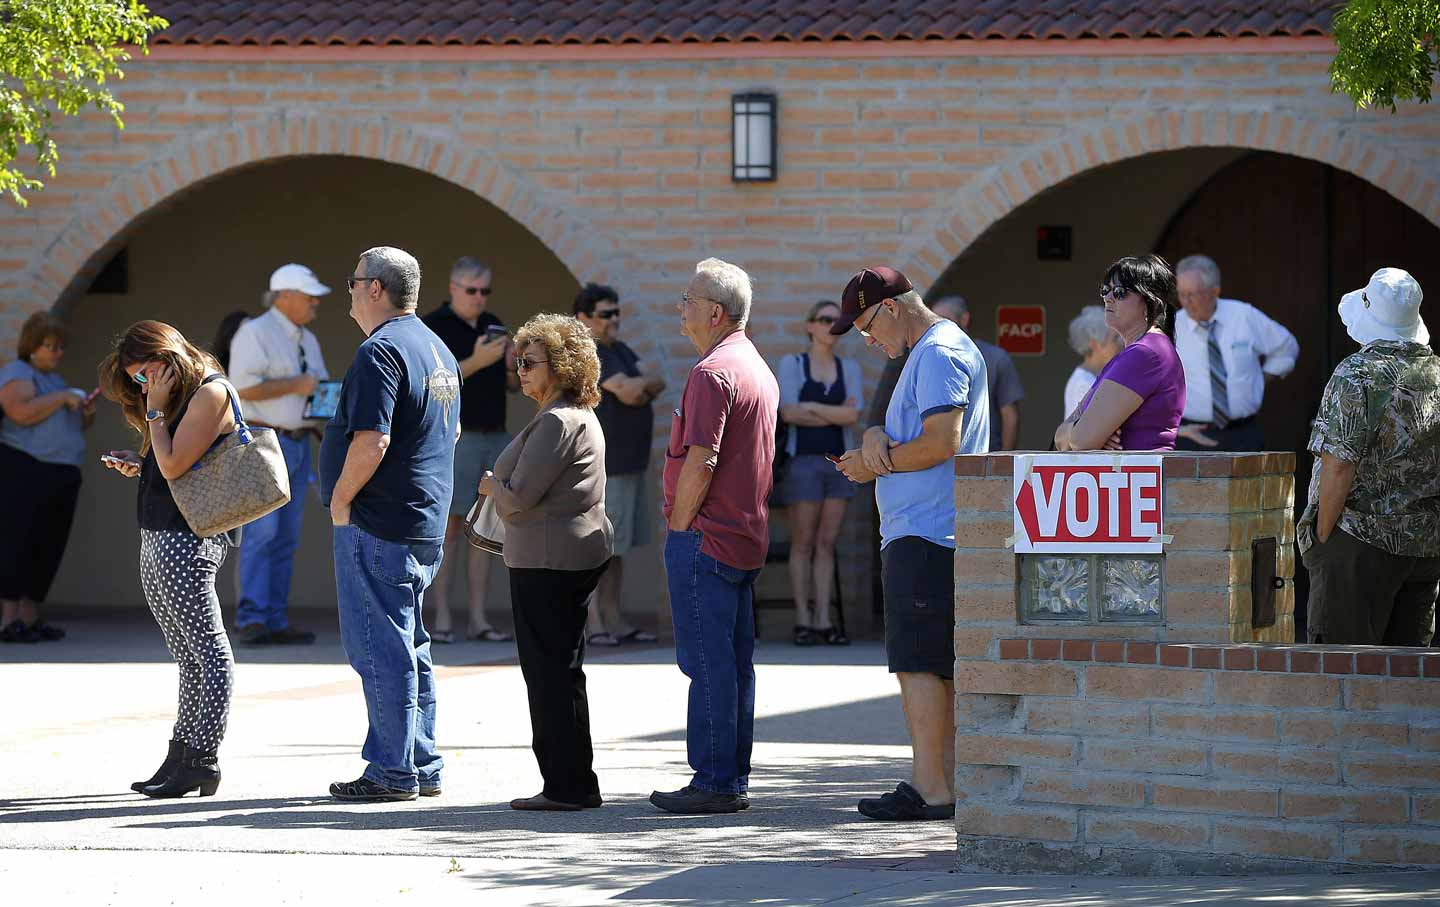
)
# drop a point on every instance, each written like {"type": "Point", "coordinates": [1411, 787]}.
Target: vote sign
{"type": "Point", "coordinates": [1020, 329]}
{"type": "Point", "coordinates": [1089, 503]}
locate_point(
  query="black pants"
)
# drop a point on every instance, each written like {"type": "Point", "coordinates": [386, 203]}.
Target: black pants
{"type": "Point", "coordinates": [1243, 438]}
{"type": "Point", "coordinates": [40, 499]}
{"type": "Point", "coordinates": [549, 609]}
{"type": "Point", "coordinates": [1361, 595]}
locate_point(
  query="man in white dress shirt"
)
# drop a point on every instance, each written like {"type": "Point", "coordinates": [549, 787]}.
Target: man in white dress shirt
{"type": "Point", "coordinates": [1230, 351]}
{"type": "Point", "coordinates": [275, 364]}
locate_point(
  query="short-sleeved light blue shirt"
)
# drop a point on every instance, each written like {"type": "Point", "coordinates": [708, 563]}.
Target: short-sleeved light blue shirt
{"type": "Point", "coordinates": [945, 371]}
{"type": "Point", "coordinates": [59, 439]}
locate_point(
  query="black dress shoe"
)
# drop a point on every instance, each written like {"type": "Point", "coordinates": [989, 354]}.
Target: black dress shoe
{"type": "Point", "coordinates": [291, 637]}
{"type": "Point", "coordinates": [252, 635]}
{"type": "Point", "coordinates": [692, 801]}
{"type": "Point", "coordinates": [47, 632]}
{"type": "Point", "coordinates": [16, 631]}
{"type": "Point", "coordinates": [198, 770]}
{"type": "Point", "coordinates": [363, 790]}
{"type": "Point", "coordinates": [172, 759]}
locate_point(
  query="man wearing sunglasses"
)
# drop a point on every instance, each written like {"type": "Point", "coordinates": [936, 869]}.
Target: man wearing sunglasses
{"type": "Point", "coordinates": [628, 420]}
{"type": "Point", "coordinates": [482, 345]}
{"type": "Point", "coordinates": [275, 364]}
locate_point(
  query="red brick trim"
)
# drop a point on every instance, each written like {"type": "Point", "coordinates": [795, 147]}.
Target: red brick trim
{"type": "Point", "coordinates": [1364, 660]}
{"type": "Point", "coordinates": [1177, 465]}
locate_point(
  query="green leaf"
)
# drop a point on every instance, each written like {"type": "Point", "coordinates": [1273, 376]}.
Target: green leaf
{"type": "Point", "coordinates": [1386, 51]}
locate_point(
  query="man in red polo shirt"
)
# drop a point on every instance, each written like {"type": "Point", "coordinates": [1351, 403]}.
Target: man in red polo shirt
{"type": "Point", "coordinates": [717, 479]}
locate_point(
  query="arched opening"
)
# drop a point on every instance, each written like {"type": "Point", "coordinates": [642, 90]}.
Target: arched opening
{"type": "Point", "coordinates": [210, 251]}
{"type": "Point", "coordinates": [1290, 235]}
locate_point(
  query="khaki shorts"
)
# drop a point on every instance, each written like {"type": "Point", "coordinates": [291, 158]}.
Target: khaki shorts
{"type": "Point", "coordinates": [476, 452]}
{"type": "Point", "coordinates": [627, 503]}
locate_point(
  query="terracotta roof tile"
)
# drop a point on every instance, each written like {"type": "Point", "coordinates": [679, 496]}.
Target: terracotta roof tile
{"type": "Point", "coordinates": [492, 22]}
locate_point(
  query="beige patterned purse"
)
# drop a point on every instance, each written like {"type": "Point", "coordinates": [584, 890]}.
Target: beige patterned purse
{"type": "Point", "coordinates": [238, 480]}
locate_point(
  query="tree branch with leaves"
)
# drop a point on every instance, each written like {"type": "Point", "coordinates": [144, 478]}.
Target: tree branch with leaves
{"type": "Point", "coordinates": [57, 57]}
{"type": "Point", "coordinates": [1387, 51]}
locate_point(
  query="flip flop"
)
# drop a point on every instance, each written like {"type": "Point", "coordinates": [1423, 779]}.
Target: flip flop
{"type": "Point", "coordinates": [491, 635]}
{"type": "Point", "coordinates": [638, 635]}
{"type": "Point", "coordinates": [602, 639]}
{"type": "Point", "coordinates": [442, 636]}
{"type": "Point", "coordinates": [904, 804]}
{"type": "Point", "coordinates": [804, 636]}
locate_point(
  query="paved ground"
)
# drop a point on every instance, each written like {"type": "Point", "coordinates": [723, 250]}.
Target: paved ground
{"type": "Point", "coordinates": [86, 717]}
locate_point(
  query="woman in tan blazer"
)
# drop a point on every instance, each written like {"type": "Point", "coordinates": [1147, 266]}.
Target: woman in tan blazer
{"type": "Point", "coordinates": [549, 489]}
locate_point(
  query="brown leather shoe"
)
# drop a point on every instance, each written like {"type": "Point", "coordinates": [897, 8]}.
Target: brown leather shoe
{"type": "Point", "coordinates": [253, 635]}
{"type": "Point", "coordinates": [542, 803]}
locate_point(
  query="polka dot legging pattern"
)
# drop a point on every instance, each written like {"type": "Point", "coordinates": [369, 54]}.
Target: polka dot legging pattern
{"type": "Point", "coordinates": [177, 573]}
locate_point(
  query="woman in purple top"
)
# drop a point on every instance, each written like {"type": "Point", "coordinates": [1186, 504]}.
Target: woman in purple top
{"type": "Point", "coordinates": [1138, 398]}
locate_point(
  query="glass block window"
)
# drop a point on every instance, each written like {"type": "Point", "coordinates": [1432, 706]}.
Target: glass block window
{"type": "Point", "coordinates": [1091, 588]}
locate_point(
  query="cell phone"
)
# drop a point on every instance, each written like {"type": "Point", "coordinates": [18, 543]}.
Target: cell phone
{"type": "Point", "coordinates": [90, 397]}
{"type": "Point", "coordinates": [832, 458]}
{"type": "Point", "coordinates": [496, 330]}
{"type": "Point", "coordinates": [106, 458]}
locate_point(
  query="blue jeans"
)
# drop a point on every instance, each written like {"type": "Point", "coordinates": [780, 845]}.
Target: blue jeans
{"type": "Point", "coordinates": [713, 611]}
{"type": "Point", "coordinates": [381, 586]}
{"type": "Point", "coordinates": [267, 549]}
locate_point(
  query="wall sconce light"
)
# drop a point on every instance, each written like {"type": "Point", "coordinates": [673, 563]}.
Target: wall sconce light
{"type": "Point", "coordinates": [752, 138]}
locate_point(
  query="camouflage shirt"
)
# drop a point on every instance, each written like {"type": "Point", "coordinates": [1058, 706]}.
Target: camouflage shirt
{"type": "Point", "coordinates": [1381, 411]}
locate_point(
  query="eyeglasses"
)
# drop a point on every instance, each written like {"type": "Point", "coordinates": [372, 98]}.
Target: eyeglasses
{"type": "Point", "coordinates": [865, 331]}
{"type": "Point", "coordinates": [471, 291]}
{"type": "Point", "coordinates": [607, 314]}
{"type": "Point", "coordinates": [350, 282]}
{"type": "Point", "coordinates": [823, 319]}
{"type": "Point", "coordinates": [686, 299]}
{"type": "Point", "coordinates": [1115, 292]}
{"type": "Point", "coordinates": [525, 363]}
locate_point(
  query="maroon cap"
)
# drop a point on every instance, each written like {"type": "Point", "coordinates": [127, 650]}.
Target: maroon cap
{"type": "Point", "coordinates": [869, 287]}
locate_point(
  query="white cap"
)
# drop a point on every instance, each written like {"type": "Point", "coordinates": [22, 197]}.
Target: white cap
{"type": "Point", "coordinates": [297, 277]}
{"type": "Point", "coordinates": [1388, 308]}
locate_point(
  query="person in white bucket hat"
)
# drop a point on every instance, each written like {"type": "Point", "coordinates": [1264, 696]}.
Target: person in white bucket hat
{"type": "Point", "coordinates": [1370, 533]}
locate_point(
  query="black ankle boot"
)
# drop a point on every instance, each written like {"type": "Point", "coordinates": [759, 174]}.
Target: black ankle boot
{"type": "Point", "coordinates": [198, 769]}
{"type": "Point", "coordinates": [172, 759]}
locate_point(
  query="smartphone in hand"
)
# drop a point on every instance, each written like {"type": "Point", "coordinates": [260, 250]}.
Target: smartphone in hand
{"type": "Point", "coordinates": [90, 397]}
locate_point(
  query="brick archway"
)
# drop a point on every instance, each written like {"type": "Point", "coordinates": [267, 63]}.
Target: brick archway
{"type": "Point", "coordinates": [79, 249]}
{"type": "Point", "coordinates": [974, 210]}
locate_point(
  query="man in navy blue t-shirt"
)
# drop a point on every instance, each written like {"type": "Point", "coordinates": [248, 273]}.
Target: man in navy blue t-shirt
{"type": "Point", "coordinates": [386, 473]}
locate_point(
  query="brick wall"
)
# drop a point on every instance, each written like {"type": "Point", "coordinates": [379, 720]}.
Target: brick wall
{"type": "Point", "coordinates": [1142, 749]}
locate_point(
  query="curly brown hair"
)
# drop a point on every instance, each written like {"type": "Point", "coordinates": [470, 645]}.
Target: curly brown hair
{"type": "Point", "coordinates": [570, 347]}
{"type": "Point", "coordinates": [152, 341]}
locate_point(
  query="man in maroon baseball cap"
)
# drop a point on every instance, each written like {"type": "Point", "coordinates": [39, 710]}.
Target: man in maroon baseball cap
{"type": "Point", "coordinates": [940, 408]}
{"type": "Point", "coordinates": [866, 290]}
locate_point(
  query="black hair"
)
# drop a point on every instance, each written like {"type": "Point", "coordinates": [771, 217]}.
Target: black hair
{"type": "Point", "coordinates": [591, 295]}
{"type": "Point", "coordinates": [1152, 277]}
{"type": "Point", "coordinates": [225, 335]}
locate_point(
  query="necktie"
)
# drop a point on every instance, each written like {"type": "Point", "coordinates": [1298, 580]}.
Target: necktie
{"type": "Point", "coordinates": [1219, 391]}
{"type": "Point", "coordinates": [304, 366]}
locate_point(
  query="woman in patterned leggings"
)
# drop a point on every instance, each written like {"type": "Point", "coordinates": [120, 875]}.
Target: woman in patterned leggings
{"type": "Point", "coordinates": [161, 380]}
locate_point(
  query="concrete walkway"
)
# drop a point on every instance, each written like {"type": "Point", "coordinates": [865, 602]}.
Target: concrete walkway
{"type": "Point", "coordinates": [87, 716]}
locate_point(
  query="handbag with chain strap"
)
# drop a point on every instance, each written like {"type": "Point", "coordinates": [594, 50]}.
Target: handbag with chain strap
{"type": "Point", "coordinates": [241, 478]}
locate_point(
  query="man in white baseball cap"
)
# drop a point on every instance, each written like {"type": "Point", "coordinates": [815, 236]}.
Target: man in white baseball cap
{"type": "Point", "coordinates": [1370, 533]}
{"type": "Point", "coordinates": [276, 365]}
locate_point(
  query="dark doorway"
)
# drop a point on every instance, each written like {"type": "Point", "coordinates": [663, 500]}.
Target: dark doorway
{"type": "Point", "coordinates": [1291, 236]}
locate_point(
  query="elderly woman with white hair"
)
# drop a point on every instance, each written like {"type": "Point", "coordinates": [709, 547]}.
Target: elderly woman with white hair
{"type": "Point", "coordinates": [1096, 343]}
{"type": "Point", "coordinates": [1370, 533]}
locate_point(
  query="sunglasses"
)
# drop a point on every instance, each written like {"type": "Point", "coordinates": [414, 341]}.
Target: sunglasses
{"type": "Point", "coordinates": [350, 282]}
{"type": "Point", "coordinates": [525, 363]}
{"type": "Point", "coordinates": [1115, 292]}
{"type": "Point", "coordinates": [140, 379]}
{"type": "Point", "coordinates": [823, 319]}
{"type": "Point", "coordinates": [607, 314]}
{"type": "Point", "coordinates": [471, 291]}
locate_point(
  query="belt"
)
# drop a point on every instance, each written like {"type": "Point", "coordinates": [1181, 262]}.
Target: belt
{"type": "Point", "coordinates": [294, 434]}
{"type": "Point", "coordinates": [1233, 423]}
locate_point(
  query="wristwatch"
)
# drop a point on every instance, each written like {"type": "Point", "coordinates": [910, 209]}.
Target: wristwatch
{"type": "Point", "coordinates": [154, 415]}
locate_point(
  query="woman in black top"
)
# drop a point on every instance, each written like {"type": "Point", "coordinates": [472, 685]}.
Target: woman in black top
{"type": "Point", "coordinates": [820, 394]}
{"type": "Point", "coordinates": [173, 394]}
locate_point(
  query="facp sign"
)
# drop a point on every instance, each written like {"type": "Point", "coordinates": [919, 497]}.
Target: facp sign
{"type": "Point", "coordinates": [1020, 329]}
{"type": "Point", "coordinates": [1089, 503]}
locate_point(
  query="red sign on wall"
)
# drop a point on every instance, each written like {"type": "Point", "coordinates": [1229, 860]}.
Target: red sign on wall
{"type": "Point", "coordinates": [1020, 329]}
{"type": "Point", "coordinates": [1086, 503]}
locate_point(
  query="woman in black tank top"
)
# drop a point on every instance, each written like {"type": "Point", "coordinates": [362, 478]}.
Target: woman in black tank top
{"type": "Point", "coordinates": [161, 380]}
{"type": "Point", "coordinates": [820, 395]}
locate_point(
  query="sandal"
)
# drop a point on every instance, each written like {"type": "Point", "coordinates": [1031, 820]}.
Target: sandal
{"type": "Point", "coordinates": [804, 636]}
{"type": "Point", "coordinates": [490, 634]}
{"type": "Point", "coordinates": [16, 631]}
{"type": "Point", "coordinates": [637, 635]}
{"type": "Point", "coordinates": [47, 632]}
{"type": "Point", "coordinates": [833, 637]}
{"type": "Point", "coordinates": [442, 636]}
{"type": "Point", "coordinates": [603, 638]}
